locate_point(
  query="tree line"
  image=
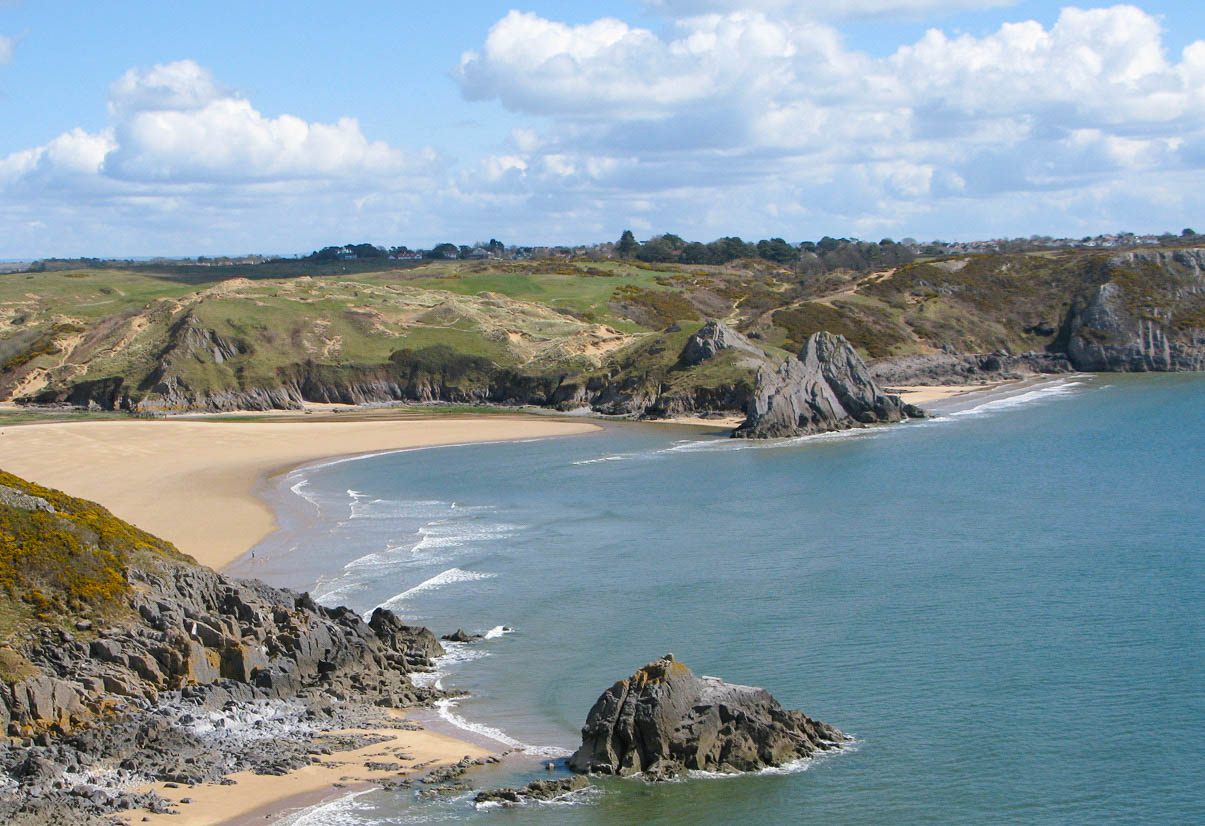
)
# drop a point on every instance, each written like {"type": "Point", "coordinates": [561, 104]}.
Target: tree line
{"type": "Point", "coordinates": [825, 255]}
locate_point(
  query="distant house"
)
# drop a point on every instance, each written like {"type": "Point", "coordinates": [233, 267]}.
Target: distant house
{"type": "Point", "coordinates": [346, 255]}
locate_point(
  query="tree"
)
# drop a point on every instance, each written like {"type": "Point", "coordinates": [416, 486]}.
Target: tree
{"type": "Point", "coordinates": [696, 253]}
{"type": "Point", "coordinates": [730, 248]}
{"type": "Point", "coordinates": [627, 245]}
{"type": "Point", "coordinates": [1187, 233]}
{"type": "Point", "coordinates": [778, 251]}
{"type": "Point", "coordinates": [444, 250]}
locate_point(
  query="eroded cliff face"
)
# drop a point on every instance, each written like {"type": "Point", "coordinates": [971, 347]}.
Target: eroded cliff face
{"type": "Point", "coordinates": [1150, 316]}
{"type": "Point", "coordinates": [827, 387]}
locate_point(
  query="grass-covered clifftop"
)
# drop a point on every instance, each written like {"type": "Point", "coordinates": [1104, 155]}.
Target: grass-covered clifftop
{"type": "Point", "coordinates": [63, 558]}
{"type": "Point", "coordinates": [178, 338]}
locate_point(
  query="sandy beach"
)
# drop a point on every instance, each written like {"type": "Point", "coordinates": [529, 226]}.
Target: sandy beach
{"type": "Point", "coordinates": [922, 394]}
{"type": "Point", "coordinates": [192, 482]}
{"type": "Point", "coordinates": [257, 798]}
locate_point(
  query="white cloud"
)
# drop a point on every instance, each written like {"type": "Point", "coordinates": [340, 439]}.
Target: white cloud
{"type": "Point", "coordinates": [174, 124]}
{"type": "Point", "coordinates": [781, 106]}
{"type": "Point", "coordinates": [759, 121]}
{"type": "Point", "coordinates": [185, 157]}
{"type": "Point", "coordinates": [8, 45]}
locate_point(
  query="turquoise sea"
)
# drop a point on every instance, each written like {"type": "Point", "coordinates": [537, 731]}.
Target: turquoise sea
{"type": "Point", "coordinates": [1005, 605]}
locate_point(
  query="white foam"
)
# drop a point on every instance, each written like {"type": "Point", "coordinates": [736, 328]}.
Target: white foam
{"type": "Point", "coordinates": [498, 631]}
{"type": "Point", "coordinates": [340, 812]}
{"type": "Point", "coordinates": [299, 489]}
{"type": "Point", "coordinates": [618, 458]}
{"type": "Point", "coordinates": [444, 709]}
{"type": "Point", "coordinates": [454, 654]}
{"type": "Point", "coordinates": [448, 577]}
{"type": "Point", "coordinates": [1037, 394]}
{"type": "Point", "coordinates": [790, 767]}
{"type": "Point", "coordinates": [443, 534]}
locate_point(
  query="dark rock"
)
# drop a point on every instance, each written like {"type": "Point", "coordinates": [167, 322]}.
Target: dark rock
{"type": "Point", "coordinates": [828, 387]}
{"type": "Point", "coordinates": [543, 790]}
{"type": "Point", "coordinates": [1133, 323]}
{"type": "Point", "coordinates": [713, 337]}
{"type": "Point", "coordinates": [951, 368]}
{"type": "Point", "coordinates": [461, 635]}
{"type": "Point", "coordinates": [663, 720]}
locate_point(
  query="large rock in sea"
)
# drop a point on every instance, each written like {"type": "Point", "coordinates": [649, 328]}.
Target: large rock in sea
{"type": "Point", "coordinates": [663, 721]}
{"type": "Point", "coordinates": [827, 387]}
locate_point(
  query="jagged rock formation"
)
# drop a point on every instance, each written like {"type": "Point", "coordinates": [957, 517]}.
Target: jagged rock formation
{"type": "Point", "coordinates": [957, 368]}
{"type": "Point", "coordinates": [663, 720]}
{"type": "Point", "coordinates": [196, 627]}
{"type": "Point", "coordinates": [713, 337]}
{"type": "Point", "coordinates": [828, 387]}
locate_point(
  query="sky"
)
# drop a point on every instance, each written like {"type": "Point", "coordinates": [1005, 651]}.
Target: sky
{"type": "Point", "coordinates": [213, 128]}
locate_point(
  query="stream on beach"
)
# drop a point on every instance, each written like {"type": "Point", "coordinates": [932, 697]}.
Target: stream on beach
{"type": "Point", "coordinates": [1003, 604]}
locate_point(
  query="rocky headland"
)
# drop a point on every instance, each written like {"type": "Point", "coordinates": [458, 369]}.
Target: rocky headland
{"type": "Point", "coordinates": [642, 352]}
{"type": "Point", "coordinates": [827, 387]}
{"type": "Point", "coordinates": [664, 721]}
{"type": "Point", "coordinates": [124, 662]}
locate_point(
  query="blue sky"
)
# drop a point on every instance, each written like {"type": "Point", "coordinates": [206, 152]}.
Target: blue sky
{"type": "Point", "coordinates": [136, 128]}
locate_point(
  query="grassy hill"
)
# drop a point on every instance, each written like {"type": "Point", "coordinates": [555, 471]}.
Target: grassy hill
{"type": "Point", "coordinates": [197, 337]}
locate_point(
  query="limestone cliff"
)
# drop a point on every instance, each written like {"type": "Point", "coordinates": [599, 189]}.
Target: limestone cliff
{"type": "Point", "coordinates": [828, 387]}
{"type": "Point", "coordinates": [1150, 316]}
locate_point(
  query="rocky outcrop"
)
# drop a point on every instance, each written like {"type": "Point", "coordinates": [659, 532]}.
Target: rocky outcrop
{"type": "Point", "coordinates": [663, 721]}
{"type": "Point", "coordinates": [952, 368]}
{"type": "Point", "coordinates": [537, 790]}
{"type": "Point", "coordinates": [196, 676]}
{"type": "Point", "coordinates": [1150, 315]}
{"type": "Point", "coordinates": [193, 627]}
{"type": "Point", "coordinates": [20, 499]}
{"type": "Point", "coordinates": [828, 387]}
{"type": "Point", "coordinates": [713, 337]}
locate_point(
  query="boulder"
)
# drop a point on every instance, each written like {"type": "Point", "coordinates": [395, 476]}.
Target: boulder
{"type": "Point", "coordinates": [827, 387]}
{"type": "Point", "coordinates": [663, 721]}
{"type": "Point", "coordinates": [460, 635]}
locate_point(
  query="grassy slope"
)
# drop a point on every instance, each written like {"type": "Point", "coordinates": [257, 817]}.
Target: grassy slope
{"type": "Point", "coordinates": [55, 567]}
{"type": "Point", "coordinates": [60, 328]}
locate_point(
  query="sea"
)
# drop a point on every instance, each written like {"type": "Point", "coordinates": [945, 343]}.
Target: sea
{"type": "Point", "coordinates": [1003, 605]}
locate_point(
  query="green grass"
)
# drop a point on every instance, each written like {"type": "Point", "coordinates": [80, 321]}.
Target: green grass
{"type": "Point", "coordinates": [10, 417]}
{"type": "Point", "coordinates": [56, 566]}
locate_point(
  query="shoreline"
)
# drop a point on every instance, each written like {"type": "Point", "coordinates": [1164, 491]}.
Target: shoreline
{"type": "Point", "coordinates": [195, 483]}
{"type": "Point", "coordinates": [195, 470]}
{"type": "Point", "coordinates": [245, 462]}
{"type": "Point", "coordinates": [922, 394]}
{"type": "Point", "coordinates": [270, 798]}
